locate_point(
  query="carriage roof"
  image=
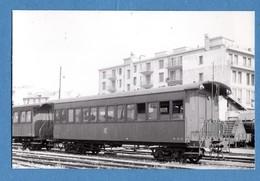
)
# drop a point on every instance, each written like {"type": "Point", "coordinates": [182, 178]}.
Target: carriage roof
{"type": "Point", "coordinates": [224, 90]}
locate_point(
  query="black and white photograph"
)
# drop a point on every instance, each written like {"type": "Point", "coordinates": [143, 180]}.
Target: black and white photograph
{"type": "Point", "coordinates": [133, 90]}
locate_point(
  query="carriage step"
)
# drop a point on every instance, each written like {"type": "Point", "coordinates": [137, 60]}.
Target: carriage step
{"type": "Point", "coordinates": [191, 153]}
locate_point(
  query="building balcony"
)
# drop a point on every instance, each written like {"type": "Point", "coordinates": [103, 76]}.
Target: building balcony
{"type": "Point", "coordinates": [171, 66]}
{"type": "Point", "coordinates": [146, 71]}
{"type": "Point", "coordinates": [242, 67]}
{"type": "Point", "coordinates": [173, 82]}
{"type": "Point", "coordinates": [147, 85]}
{"type": "Point", "coordinates": [111, 77]}
{"type": "Point", "coordinates": [111, 89]}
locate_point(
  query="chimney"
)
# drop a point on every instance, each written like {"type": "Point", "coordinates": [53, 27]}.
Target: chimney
{"type": "Point", "coordinates": [207, 42]}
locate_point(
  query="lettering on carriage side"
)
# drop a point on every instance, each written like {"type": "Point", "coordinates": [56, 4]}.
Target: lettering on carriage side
{"type": "Point", "coordinates": [105, 130]}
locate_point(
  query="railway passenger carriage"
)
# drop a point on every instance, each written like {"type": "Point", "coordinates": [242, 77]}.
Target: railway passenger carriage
{"type": "Point", "coordinates": [33, 126]}
{"type": "Point", "coordinates": [173, 121]}
{"type": "Point", "coordinates": [170, 119]}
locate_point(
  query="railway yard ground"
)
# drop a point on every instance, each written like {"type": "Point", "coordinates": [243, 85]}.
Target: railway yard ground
{"type": "Point", "coordinates": [126, 158]}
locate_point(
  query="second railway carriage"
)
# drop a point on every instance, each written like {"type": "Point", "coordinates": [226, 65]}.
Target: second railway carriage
{"type": "Point", "coordinates": [172, 121]}
{"type": "Point", "coordinates": [33, 126]}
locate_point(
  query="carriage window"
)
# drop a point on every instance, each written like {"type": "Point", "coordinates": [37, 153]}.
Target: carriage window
{"type": "Point", "coordinates": [110, 113]}
{"type": "Point", "coordinates": [85, 114]}
{"type": "Point", "coordinates": [78, 115]}
{"type": "Point", "coordinates": [120, 113]}
{"type": "Point", "coordinates": [93, 114]}
{"type": "Point", "coordinates": [23, 117]}
{"type": "Point", "coordinates": [152, 111]}
{"type": "Point", "coordinates": [165, 110]}
{"type": "Point", "coordinates": [15, 117]}
{"type": "Point", "coordinates": [130, 112]}
{"type": "Point", "coordinates": [101, 114]}
{"type": "Point", "coordinates": [177, 109]}
{"type": "Point", "coordinates": [71, 116]}
{"type": "Point", "coordinates": [63, 116]}
{"type": "Point", "coordinates": [141, 112]}
{"type": "Point", "coordinates": [28, 116]}
{"type": "Point", "coordinates": [57, 116]}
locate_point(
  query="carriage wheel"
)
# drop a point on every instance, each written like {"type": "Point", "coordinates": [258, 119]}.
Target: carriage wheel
{"type": "Point", "coordinates": [95, 152]}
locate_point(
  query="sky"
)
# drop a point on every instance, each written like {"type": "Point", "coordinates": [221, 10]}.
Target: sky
{"type": "Point", "coordinates": [82, 42]}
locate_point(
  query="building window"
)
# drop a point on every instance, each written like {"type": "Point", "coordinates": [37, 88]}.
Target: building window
{"type": "Point", "coordinates": [113, 73]}
{"type": "Point", "coordinates": [161, 77]}
{"type": "Point", "coordinates": [103, 85]}
{"type": "Point", "coordinates": [234, 76]}
{"type": "Point", "coordinates": [231, 59]}
{"type": "Point", "coordinates": [240, 77]}
{"type": "Point", "coordinates": [128, 74]}
{"type": "Point", "coordinates": [148, 79]}
{"type": "Point", "coordinates": [120, 71]}
{"type": "Point", "coordinates": [239, 95]}
{"type": "Point", "coordinates": [128, 87]}
{"type": "Point", "coordinates": [180, 60]}
{"type": "Point", "coordinates": [234, 93]}
{"type": "Point", "coordinates": [172, 75]}
{"type": "Point", "coordinates": [172, 62]}
{"type": "Point", "coordinates": [201, 60]}
{"type": "Point", "coordinates": [120, 83]}
{"type": "Point", "coordinates": [161, 64]}
{"type": "Point", "coordinates": [104, 74]}
{"type": "Point", "coordinates": [244, 61]}
{"type": "Point", "coordinates": [235, 59]}
{"type": "Point", "coordinates": [134, 81]}
{"type": "Point", "coordinates": [200, 77]}
{"type": "Point", "coordinates": [252, 79]}
{"type": "Point", "coordinates": [135, 68]}
{"type": "Point", "coordinates": [249, 62]}
{"type": "Point", "coordinates": [252, 96]}
{"type": "Point", "coordinates": [152, 111]}
{"type": "Point", "coordinates": [248, 96]}
{"type": "Point", "coordinates": [148, 66]}
{"type": "Point", "coordinates": [248, 79]}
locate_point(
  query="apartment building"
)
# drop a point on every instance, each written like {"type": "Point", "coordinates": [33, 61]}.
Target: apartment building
{"type": "Point", "coordinates": [219, 60]}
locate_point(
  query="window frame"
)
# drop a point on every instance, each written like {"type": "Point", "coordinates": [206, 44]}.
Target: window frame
{"type": "Point", "coordinates": [80, 116]}
{"type": "Point", "coordinates": [71, 110]}
{"type": "Point", "coordinates": [21, 117]}
{"type": "Point", "coordinates": [105, 115]}
{"type": "Point", "coordinates": [126, 113]}
{"type": "Point", "coordinates": [107, 108]}
{"type": "Point", "coordinates": [145, 113]}
{"type": "Point", "coordinates": [157, 111]}
{"type": "Point", "coordinates": [26, 114]}
{"type": "Point", "coordinates": [17, 116]}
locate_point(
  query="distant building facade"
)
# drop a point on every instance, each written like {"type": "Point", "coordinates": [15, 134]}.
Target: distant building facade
{"type": "Point", "coordinates": [219, 60]}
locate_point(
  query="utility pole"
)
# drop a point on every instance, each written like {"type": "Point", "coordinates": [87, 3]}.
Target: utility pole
{"type": "Point", "coordinates": [212, 95]}
{"type": "Point", "coordinates": [60, 83]}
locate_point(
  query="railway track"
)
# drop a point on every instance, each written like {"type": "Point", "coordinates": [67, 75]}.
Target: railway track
{"type": "Point", "coordinates": [61, 160]}
{"type": "Point", "coordinates": [122, 160]}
